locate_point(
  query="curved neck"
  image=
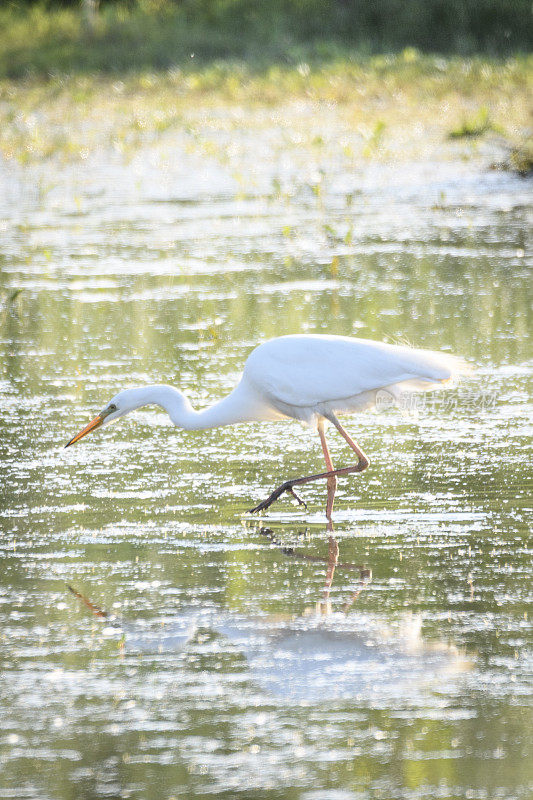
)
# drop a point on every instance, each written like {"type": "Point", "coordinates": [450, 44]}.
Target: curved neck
{"type": "Point", "coordinates": [228, 411]}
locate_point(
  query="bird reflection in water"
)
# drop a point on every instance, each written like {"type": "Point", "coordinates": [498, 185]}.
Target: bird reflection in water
{"type": "Point", "coordinates": [332, 563]}
{"type": "Point", "coordinates": [320, 654]}
{"type": "Point", "coordinates": [324, 654]}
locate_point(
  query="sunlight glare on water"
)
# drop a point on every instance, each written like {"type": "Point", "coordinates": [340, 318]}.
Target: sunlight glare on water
{"type": "Point", "coordinates": [222, 668]}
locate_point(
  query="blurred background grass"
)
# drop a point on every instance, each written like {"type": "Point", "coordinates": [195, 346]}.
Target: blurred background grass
{"type": "Point", "coordinates": [47, 37]}
{"type": "Point", "coordinates": [80, 75]}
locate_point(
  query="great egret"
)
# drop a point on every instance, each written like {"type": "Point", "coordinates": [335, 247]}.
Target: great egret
{"type": "Point", "coordinates": [310, 378]}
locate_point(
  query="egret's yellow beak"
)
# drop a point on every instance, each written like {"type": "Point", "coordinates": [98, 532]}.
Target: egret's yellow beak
{"type": "Point", "coordinates": [93, 424]}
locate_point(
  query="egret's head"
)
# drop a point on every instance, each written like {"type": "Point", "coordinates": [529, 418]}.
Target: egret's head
{"type": "Point", "coordinates": [122, 403]}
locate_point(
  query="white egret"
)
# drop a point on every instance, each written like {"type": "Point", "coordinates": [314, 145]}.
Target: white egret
{"type": "Point", "coordinates": [310, 378]}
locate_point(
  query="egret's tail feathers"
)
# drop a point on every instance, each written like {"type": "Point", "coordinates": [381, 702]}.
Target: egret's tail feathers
{"type": "Point", "coordinates": [430, 370]}
{"type": "Point", "coordinates": [452, 367]}
{"type": "Point", "coordinates": [438, 368]}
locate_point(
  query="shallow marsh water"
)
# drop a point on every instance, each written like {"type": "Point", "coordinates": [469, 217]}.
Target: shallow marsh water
{"type": "Point", "coordinates": [205, 679]}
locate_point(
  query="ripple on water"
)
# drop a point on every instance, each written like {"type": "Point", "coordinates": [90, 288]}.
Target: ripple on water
{"type": "Point", "coordinates": [228, 665]}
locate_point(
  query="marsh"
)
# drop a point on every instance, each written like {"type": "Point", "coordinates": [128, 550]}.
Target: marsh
{"type": "Point", "coordinates": [167, 262]}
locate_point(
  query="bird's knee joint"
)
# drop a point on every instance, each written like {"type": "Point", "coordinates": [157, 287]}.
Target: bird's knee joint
{"type": "Point", "coordinates": [363, 463]}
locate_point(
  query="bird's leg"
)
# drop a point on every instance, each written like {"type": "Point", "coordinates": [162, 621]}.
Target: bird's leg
{"type": "Point", "coordinates": [332, 480]}
{"type": "Point", "coordinates": [285, 487]}
{"type": "Point", "coordinates": [288, 486]}
{"type": "Point", "coordinates": [362, 460]}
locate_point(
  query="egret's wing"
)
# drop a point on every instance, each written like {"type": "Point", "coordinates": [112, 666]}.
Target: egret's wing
{"type": "Point", "coordinates": [306, 370]}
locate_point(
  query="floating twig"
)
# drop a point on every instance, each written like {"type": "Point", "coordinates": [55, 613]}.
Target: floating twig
{"type": "Point", "coordinates": [98, 612]}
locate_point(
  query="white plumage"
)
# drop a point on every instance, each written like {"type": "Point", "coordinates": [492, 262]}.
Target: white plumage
{"type": "Point", "coordinates": [307, 376]}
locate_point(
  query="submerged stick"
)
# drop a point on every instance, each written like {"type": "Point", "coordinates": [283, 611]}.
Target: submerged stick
{"type": "Point", "coordinates": [98, 612]}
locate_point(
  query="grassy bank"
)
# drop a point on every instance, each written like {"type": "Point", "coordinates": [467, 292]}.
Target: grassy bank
{"type": "Point", "coordinates": [69, 86]}
{"type": "Point", "coordinates": [158, 34]}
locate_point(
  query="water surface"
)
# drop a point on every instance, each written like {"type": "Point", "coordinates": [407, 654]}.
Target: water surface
{"type": "Point", "coordinates": [225, 667]}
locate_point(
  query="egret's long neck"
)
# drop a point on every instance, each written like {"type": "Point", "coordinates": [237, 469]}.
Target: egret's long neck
{"type": "Point", "coordinates": [236, 407]}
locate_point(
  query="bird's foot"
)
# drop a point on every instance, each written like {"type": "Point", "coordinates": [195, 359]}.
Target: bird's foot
{"type": "Point", "coordinates": [300, 501]}
{"type": "Point", "coordinates": [285, 487]}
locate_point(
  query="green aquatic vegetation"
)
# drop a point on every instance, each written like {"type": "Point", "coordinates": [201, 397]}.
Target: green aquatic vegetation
{"type": "Point", "coordinates": [475, 125]}
{"type": "Point", "coordinates": [521, 158]}
{"type": "Point", "coordinates": [517, 156]}
{"type": "Point", "coordinates": [373, 138]}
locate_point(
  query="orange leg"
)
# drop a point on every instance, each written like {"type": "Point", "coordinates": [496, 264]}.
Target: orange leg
{"type": "Point", "coordinates": [332, 480]}
{"type": "Point", "coordinates": [362, 460]}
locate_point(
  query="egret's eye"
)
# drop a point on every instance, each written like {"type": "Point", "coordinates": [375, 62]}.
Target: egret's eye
{"type": "Point", "coordinates": [112, 407]}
